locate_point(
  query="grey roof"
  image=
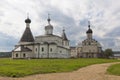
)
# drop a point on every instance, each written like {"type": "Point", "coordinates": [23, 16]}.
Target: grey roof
{"type": "Point", "coordinates": [21, 49]}
{"type": "Point", "coordinates": [72, 47]}
{"type": "Point", "coordinates": [27, 36]}
{"type": "Point", "coordinates": [24, 49]}
{"type": "Point", "coordinates": [64, 35]}
{"type": "Point", "coordinates": [89, 30]}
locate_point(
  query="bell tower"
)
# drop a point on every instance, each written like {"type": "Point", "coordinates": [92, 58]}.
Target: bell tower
{"type": "Point", "coordinates": [27, 35]}
{"type": "Point", "coordinates": [49, 27]}
{"type": "Point", "coordinates": [89, 31]}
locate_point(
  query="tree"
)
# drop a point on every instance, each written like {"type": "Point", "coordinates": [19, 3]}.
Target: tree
{"type": "Point", "coordinates": [108, 53]}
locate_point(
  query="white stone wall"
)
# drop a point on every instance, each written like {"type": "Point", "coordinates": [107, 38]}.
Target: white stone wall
{"type": "Point", "coordinates": [43, 51]}
{"type": "Point", "coordinates": [54, 48]}
{"type": "Point", "coordinates": [79, 51]}
{"type": "Point", "coordinates": [51, 51]}
{"type": "Point", "coordinates": [63, 53]}
{"type": "Point", "coordinates": [73, 52]}
{"type": "Point", "coordinates": [49, 31]}
{"type": "Point", "coordinates": [36, 50]}
{"type": "Point", "coordinates": [89, 36]}
{"type": "Point", "coordinates": [49, 39]}
{"type": "Point", "coordinates": [92, 49]}
{"type": "Point", "coordinates": [66, 44]}
{"type": "Point", "coordinates": [22, 55]}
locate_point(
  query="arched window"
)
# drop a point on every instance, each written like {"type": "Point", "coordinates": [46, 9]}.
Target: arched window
{"type": "Point", "coordinates": [50, 49]}
{"type": "Point", "coordinates": [16, 55]}
{"type": "Point", "coordinates": [42, 49]}
{"type": "Point", "coordinates": [24, 55]}
{"type": "Point", "coordinates": [36, 49]}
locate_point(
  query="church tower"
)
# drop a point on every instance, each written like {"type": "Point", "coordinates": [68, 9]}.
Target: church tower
{"type": "Point", "coordinates": [89, 31]}
{"type": "Point", "coordinates": [25, 48]}
{"type": "Point", "coordinates": [90, 48]}
{"type": "Point", "coordinates": [27, 35]}
{"type": "Point", "coordinates": [65, 40]}
{"type": "Point", "coordinates": [49, 27]}
{"type": "Point", "coordinates": [64, 35]}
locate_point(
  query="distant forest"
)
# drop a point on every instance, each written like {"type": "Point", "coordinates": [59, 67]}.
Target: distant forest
{"type": "Point", "coordinates": [5, 54]}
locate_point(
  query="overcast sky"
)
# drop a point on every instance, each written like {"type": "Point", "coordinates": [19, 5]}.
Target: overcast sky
{"type": "Point", "coordinates": [73, 15]}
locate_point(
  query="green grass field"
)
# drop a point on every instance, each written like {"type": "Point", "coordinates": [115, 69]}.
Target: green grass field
{"type": "Point", "coordinates": [114, 69]}
{"type": "Point", "coordinates": [20, 68]}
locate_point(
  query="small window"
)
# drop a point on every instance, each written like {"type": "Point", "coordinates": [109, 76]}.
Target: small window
{"type": "Point", "coordinates": [16, 55]}
{"type": "Point", "coordinates": [24, 55]}
{"type": "Point", "coordinates": [42, 49]}
{"type": "Point", "coordinates": [50, 49]}
{"type": "Point", "coordinates": [60, 51]}
{"type": "Point", "coordinates": [36, 49]}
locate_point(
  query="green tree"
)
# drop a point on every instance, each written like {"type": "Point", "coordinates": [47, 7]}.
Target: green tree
{"type": "Point", "coordinates": [108, 53]}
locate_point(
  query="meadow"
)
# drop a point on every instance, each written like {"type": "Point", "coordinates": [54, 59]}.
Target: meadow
{"type": "Point", "coordinates": [24, 67]}
{"type": "Point", "coordinates": [114, 69]}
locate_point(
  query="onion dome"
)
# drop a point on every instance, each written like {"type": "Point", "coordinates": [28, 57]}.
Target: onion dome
{"type": "Point", "coordinates": [27, 35]}
{"type": "Point", "coordinates": [89, 30]}
{"type": "Point", "coordinates": [27, 20]}
{"type": "Point", "coordinates": [49, 26]}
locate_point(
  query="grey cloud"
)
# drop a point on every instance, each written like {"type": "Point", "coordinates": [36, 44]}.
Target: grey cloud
{"type": "Point", "coordinates": [100, 12]}
{"type": "Point", "coordinates": [114, 32]}
{"type": "Point", "coordinates": [106, 42]}
{"type": "Point", "coordinates": [7, 42]}
{"type": "Point", "coordinates": [84, 22]}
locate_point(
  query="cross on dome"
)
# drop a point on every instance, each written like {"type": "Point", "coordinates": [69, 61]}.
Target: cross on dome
{"type": "Point", "coordinates": [89, 24]}
{"type": "Point", "coordinates": [49, 18]}
{"type": "Point", "coordinates": [27, 20]}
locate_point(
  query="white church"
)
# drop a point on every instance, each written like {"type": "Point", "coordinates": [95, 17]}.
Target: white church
{"type": "Point", "coordinates": [48, 45]}
{"type": "Point", "coordinates": [88, 48]}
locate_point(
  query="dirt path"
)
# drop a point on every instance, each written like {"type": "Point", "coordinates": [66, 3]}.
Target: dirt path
{"type": "Point", "coordinates": [93, 72]}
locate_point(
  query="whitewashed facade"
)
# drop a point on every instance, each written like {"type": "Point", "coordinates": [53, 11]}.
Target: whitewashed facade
{"type": "Point", "coordinates": [89, 48]}
{"type": "Point", "coordinates": [43, 46]}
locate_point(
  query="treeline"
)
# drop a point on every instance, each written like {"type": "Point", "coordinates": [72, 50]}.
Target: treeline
{"type": "Point", "coordinates": [5, 54]}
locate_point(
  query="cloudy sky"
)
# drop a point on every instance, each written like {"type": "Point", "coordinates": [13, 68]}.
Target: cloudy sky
{"type": "Point", "coordinates": [73, 15]}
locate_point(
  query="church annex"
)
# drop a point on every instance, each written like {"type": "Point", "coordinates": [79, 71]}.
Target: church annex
{"type": "Point", "coordinates": [89, 48]}
{"type": "Point", "coordinates": [43, 46]}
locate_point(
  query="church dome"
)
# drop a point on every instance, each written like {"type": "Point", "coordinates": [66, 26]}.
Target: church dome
{"type": "Point", "coordinates": [89, 30]}
{"type": "Point", "coordinates": [27, 35]}
{"type": "Point", "coordinates": [27, 20]}
{"type": "Point", "coordinates": [49, 26]}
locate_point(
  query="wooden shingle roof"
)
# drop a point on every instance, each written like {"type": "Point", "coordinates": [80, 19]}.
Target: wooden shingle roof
{"type": "Point", "coordinates": [27, 36]}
